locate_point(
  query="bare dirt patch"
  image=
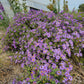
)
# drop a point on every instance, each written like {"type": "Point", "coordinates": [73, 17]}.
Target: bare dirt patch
{"type": "Point", "coordinates": [8, 70]}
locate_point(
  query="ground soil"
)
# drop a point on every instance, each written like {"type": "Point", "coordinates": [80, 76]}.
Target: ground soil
{"type": "Point", "coordinates": [8, 70]}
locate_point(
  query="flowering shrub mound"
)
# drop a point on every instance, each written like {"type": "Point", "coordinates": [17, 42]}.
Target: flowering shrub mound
{"type": "Point", "coordinates": [43, 42]}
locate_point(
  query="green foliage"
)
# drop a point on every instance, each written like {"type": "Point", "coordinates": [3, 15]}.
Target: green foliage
{"type": "Point", "coordinates": [24, 6]}
{"type": "Point", "coordinates": [81, 8]}
{"type": "Point", "coordinates": [52, 7]}
{"type": "Point", "coordinates": [15, 6]}
{"type": "Point", "coordinates": [5, 21]}
{"type": "Point", "coordinates": [65, 7]}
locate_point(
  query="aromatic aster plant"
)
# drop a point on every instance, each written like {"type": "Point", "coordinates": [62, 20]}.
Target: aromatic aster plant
{"type": "Point", "coordinates": [43, 43]}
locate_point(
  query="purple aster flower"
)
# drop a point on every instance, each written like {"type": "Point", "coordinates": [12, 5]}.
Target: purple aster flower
{"type": "Point", "coordinates": [54, 55]}
{"type": "Point", "coordinates": [62, 67]}
{"type": "Point", "coordinates": [57, 24]}
{"type": "Point", "coordinates": [70, 78]}
{"type": "Point", "coordinates": [37, 44]}
{"type": "Point", "coordinates": [67, 69]}
{"type": "Point", "coordinates": [59, 72]}
{"type": "Point", "coordinates": [42, 73]}
{"type": "Point", "coordinates": [62, 40]}
{"type": "Point", "coordinates": [67, 74]}
{"type": "Point", "coordinates": [14, 45]}
{"type": "Point", "coordinates": [45, 45]}
{"type": "Point", "coordinates": [48, 35]}
{"type": "Point", "coordinates": [56, 60]}
{"type": "Point", "coordinates": [22, 65]}
{"type": "Point", "coordinates": [27, 79]}
{"type": "Point", "coordinates": [33, 59]}
{"type": "Point", "coordinates": [57, 57]}
{"type": "Point", "coordinates": [43, 61]}
{"type": "Point", "coordinates": [1, 17]}
{"type": "Point", "coordinates": [41, 67]}
{"type": "Point", "coordinates": [14, 81]}
{"type": "Point", "coordinates": [47, 64]}
{"type": "Point", "coordinates": [67, 44]}
{"type": "Point", "coordinates": [48, 53]}
{"type": "Point", "coordinates": [64, 27]}
{"type": "Point", "coordinates": [82, 45]}
{"type": "Point", "coordinates": [61, 11]}
{"type": "Point", "coordinates": [20, 82]}
{"type": "Point", "coordinates": [35, 68]}
{"type": "Point", "coordinates": [70, 67]}
{"type": "Point", "coordinates": [16, 61]}
{"type": "Point", "coordinates": [50, 43]}
{"type": "Point", "coordinates": [56, 81]}
{"type": "Point", "coordinates": [53, 65]}
{"type": "Point", "coordinates": [69, 52]}
{"type": "Point", "coordinates": [51, 47]}
{"type": "Point", "coordinates": [24, 82]}
{"type": "Point", "coordinates": [50, 61]}
{"type": "Point", "coordinates": [64, 46]}
{"type": "Point", "coordinates": [63, 57]}
{"type": "Point", "coordinates": [81, 54]}
{"type": "Point", "coordinates": [33, 72]}
{"type": "Point", "coordinates": [45, 51]}
{"type": "Point", "coordinates": [28, 36]}
{"type": "Point", "coordinates": [78, 54]}
{"type": "Point", "coordinates": [22, 52]}
{"type": "Point", "coordinates": [45, 67]}
{"type": "Point", "coordinates": [15, 56]}
{"type": "Point", "coordinates": [34, 82]}
{"type": "Point", "coordinates": [40, 45]}
{"type": "Point", "coordinates": [66, 22]}
{"type": "Point", "coordinates": [47, 57]}
{"type": "Point", "coordinates": [63, 63]}
{"type": "Point", "coordinates": [64, 80]}
{"type": "Point", "coordinates": [56, 51]}
{"type": "Point", "coordinates": [71, 42]}
{"type": "Point", "coordinates": [57, 39]}
{"type": "Point", "coordinates": [79, 15]}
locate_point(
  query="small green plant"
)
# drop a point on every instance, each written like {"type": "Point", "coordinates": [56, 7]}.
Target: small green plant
{"type": "Point", "coordinates": [65, 7]}
{"type": "Point", "coordinates": [81, 8]}
{"type": "Point", "coordinates": [5, 21]}
{"type": "Point", "coordinates": [24, 6]}
{"type": "Point", "coordinates": [15, 5]}
{"type": "Point", "coordinates": [52, 7]}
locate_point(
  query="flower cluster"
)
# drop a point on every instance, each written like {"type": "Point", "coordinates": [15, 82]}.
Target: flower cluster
{"type": "Point", "coordinates": [43, 42]}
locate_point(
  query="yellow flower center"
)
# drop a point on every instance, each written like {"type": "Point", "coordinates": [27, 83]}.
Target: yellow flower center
{"type": "Point", "coordinates": [67, 69]}
{"type": "Point", "coordinates": [58, 72]}
{"type": "Point", "coordinates": [34, 67]}
{"type": "Point", "coordinates": [33, 59]}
